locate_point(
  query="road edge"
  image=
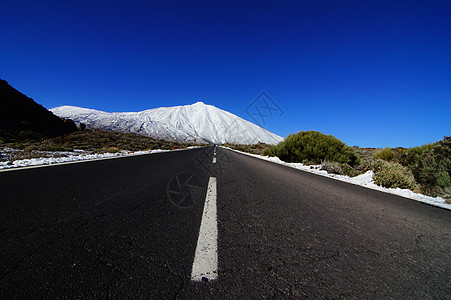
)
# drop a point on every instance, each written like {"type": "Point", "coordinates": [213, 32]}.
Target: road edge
{"type": "Point", "coordinates": [376, 188]}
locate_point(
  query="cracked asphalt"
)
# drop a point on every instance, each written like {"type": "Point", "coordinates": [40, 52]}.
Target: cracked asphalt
{"type": "Point", "coordinates": [106, 229]}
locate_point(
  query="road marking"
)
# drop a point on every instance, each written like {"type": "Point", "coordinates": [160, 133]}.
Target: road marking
{"type": "Point", "coordinates": [205, 265]}
{"type": "Point", "coordinates": [214, 160]}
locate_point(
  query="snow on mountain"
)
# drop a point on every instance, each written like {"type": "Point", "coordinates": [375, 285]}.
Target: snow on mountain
{"type": "Point", "coordinates": [197, 122]}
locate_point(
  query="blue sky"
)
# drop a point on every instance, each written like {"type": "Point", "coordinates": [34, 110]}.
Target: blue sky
{"type": "Point", "coordinates": [371, 73]}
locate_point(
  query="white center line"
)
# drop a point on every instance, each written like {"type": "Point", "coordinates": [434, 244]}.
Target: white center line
{"type": "Point", "coordinates": [205, 265]}
{"type": "Point", "coordinates": [214, 160]}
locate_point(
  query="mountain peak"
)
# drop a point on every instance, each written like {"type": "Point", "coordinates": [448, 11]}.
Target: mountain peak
{"type": "Point", "coordinates": [187, 123]}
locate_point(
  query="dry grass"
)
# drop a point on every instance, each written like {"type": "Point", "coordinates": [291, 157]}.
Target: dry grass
{"type": "Point", "coordinates": [258, 148]}
{"type": "Point", "coordinates": [94, 141]}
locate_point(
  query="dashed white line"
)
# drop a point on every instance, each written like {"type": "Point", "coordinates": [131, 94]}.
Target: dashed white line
{"type": "Point", "coordinates": [205, 265]}
{"type": "Point", "coordinates": [214, 160]}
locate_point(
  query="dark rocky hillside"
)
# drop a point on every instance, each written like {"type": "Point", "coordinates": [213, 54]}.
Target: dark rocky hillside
{"type": "Point", "coordinates": [21, 118]}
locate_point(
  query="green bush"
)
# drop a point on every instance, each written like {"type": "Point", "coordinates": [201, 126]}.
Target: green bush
{"type": "Point", "coordinates": [443, 179]}
{"type": "Point", "coordinates": [384, 154]}
{"type": "Point", "coordinates": [348, 170]}
{"type": "Point", "coordinates": [270, 151]}
{"type": "Point", "coordinates": [312, 147]}
{"type": "Point", "coordinates": [337, 168]}
{"type": "Point", "coordinates": [431, 165]}
{"type": "Point", "coordinates": [332, 167]}
{"type": "Point", "coordinates": [393, 175]}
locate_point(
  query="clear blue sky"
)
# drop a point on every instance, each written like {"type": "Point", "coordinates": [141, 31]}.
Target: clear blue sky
{"type": "Point", "coordinates": [372, 73]}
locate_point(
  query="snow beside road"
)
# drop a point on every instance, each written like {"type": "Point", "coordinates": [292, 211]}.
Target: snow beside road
{"type": "Point", "coordinates": [72, 157]}
{"type": "Point", "coordinates": [365, 180]}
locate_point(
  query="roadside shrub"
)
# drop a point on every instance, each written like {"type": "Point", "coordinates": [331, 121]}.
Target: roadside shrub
{"type": "Point", "coordinates": [393, 175]}
{"type": "Point", "coordinates": [443, 179]}
{"type": "Point", "coordinates": [384, 154]}
{"type": "Point", "coordinates": [332, 167]}
{"type": "Point", "coordinates": [112, 149]}
{"type": "Point", "coordinates": [28, 149]}
{"type": "Point", "coordinates": [259, 148]}
{"type": "Point", "coordinates": [313, 147]}
{"type": "Point", "coordinates": [431, 165]}
{"type": "Point", "coordinates": [270, 151]}
{"type": "Point", "coordinates": [398, 154]}
{"type": "Point", "coordinates": [348, 170]}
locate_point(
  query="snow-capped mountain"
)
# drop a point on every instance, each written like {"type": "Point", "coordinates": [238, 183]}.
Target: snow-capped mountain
{"type": "Point", "coordinates": [189, 123]}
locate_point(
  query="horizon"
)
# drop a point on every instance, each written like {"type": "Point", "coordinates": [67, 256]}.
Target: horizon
{"type": "Point", "coordinates": [372, 74]}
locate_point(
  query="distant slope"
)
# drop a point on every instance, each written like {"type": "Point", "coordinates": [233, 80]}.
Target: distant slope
{"type": "Point", "coordinates": [22, 118]}
{"type": "Point", "coordinates": [189, 123]}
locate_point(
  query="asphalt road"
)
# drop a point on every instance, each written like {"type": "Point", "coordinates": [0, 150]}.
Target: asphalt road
{"type": "Point", "coordinates": [128, 228]}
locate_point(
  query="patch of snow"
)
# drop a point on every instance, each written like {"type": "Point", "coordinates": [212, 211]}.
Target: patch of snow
{"type": "Point", "coordinates": [72, 157]}
{"type": "Point", "coordinates": [365, 180]}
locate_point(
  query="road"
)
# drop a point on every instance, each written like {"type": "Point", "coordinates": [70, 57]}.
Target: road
{"type": "Point", "coordinates": [129, 228]}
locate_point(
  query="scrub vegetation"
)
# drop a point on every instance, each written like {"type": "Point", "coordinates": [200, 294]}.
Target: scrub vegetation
{"type": "Point", "coordinates": [258, 148]}
{"type": "Point", "coordinates": [393, 175]}
{"type": "Point", "coordinates": [312, 147]}
{"type": "Point", "coordinates": [91, 141]}
{"type": "Point", "coordinates": [424, 169]}
{"type": "Point", "coordinates": [97, 141]}
{"type": "Point", "coordinates": [431, 166]}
